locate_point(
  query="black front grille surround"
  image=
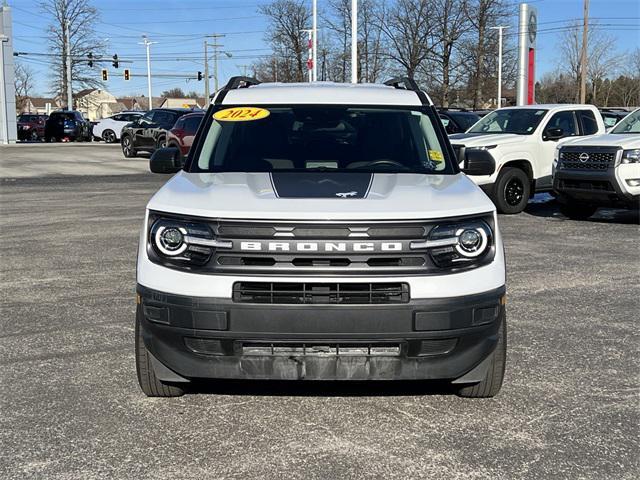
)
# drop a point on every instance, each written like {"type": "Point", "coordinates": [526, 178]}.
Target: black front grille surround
{"type": "Point", "coordinates": [587, 158]}
{"type": "Point", "coordinates": [320, 293]}
{"type": "Point", "coordinates": [400, 260]}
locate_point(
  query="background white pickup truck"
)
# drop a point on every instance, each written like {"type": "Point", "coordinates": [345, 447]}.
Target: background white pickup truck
{"type": "Point", "coordinates": [522, 141]}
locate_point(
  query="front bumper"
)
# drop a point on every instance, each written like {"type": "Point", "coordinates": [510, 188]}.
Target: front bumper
{"type": "Point", "coordinates": [198, 337]}
{"type": "Point", "coordinates": [599, 188]}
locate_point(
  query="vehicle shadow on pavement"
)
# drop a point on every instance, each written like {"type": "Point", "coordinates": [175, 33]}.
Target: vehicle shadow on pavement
{"type": "Point", "coordinates": [297, 388]}
{"type": "Point", "coordinates": [550, 209]}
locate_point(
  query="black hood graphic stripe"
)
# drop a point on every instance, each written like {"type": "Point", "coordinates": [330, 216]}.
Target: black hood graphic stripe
{"type": "Point", "coordinates": [321, 184]}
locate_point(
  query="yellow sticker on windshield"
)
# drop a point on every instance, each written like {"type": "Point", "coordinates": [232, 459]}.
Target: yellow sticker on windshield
{"type": "Point", "coordinates": [241, 114]}
{"type": "Point", "coordinates": [436, 156]}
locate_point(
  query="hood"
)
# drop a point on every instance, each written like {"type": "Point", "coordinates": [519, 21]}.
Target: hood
{"type": "Point", "coordinates": [625, 141]}
{"type": "Point", "coordinates": [296, 196]}
{"type": "Point", "coordinates": [483, 139]}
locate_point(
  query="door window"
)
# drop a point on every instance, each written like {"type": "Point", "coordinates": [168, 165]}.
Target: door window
{"type": "Point", "coordinates": [589, 123]}
{"type": "Point", "coordinates": [164, 119]}
{"type": "Point", "coordinates": [566, 121]}
{"type": "Point", "coordinates": [191, 124]}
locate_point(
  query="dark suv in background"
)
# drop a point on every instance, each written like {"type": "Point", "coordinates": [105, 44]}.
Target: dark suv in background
{"type": "Point", "coordinates": [31, 126]}
{"type": "Point", "coordinates": [182, 133]}
{"type": "Point", "coordinates": [457, 121]}
{"type": "Point", "coordinates": [149, 132]}
{"type": "Point", "coordinates": [67, 124]}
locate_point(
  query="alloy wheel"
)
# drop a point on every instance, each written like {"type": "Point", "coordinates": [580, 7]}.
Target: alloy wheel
{"type": "Point", "coordinates": [514, 192]}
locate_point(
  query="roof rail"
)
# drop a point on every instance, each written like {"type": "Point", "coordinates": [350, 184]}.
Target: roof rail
{"type": "Point", "coordinates": [233, 84]}
{"type": "Point", "coordinates": [408, 84]}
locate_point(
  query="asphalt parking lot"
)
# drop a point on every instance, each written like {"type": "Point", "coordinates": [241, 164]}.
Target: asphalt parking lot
{"type": "Point", "coordinates": [70, 406]}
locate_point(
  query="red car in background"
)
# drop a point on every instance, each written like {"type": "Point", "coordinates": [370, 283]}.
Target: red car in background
{"type": "Point", "coordinates": [182, 133]}
{"type": "Point", "coordinates": [31, 127]}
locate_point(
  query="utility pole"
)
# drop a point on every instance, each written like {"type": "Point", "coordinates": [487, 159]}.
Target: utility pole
{"type": "Point", "coordinates": [354, 41]}
{"type": "Point", "coordinates": [500, 29]}
{"type": "Point", "coordinates": [67, 41]}
{"type": "Point", "coordinates": [315, 41]}
{"type": "Point", "coordinates": [583, 54]}
{"type": "Point", "coordinates": [206, 72]}
{"type": "Point", "coordinates": [215, 45]}
{"type": "Point", "coordinates": [148, 44]}
{"type": "Point", "coordinates": [3, 94]}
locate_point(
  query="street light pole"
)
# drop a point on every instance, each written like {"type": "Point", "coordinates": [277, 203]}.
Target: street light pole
{"type": "Point", "coordinates": [315, 41]}
{"type": "Point", "coordinates": [500, 29]}
{"type": "Point", "coordinates": [354, 41]}
{"type": "Point", "coordinates": [67, 37]}
{"type": "Point", "coordinates": [3, 94]}
{"type": "Point", "coordinates": [148, 44]}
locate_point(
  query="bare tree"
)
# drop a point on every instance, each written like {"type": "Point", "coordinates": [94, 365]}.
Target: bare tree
{"type": "Point", "coordinates": [482, 15]}
{"type": "Point", "coordinates": [452, 23]}
{"type": "Point", "coordinates": [81, 17]}
{"type": "Point", "coordinates": [602, 58]}
{"type": "Point", "coordinates": [174, 93]}
{"type": "Point", "coordinates": [409, 30]}
{"type": "Point", "coordinates": [287, 19]}
{"type": "Point", "coordinates": [23, 83]}
{"type": "Point", "coordinates": [371, 57]}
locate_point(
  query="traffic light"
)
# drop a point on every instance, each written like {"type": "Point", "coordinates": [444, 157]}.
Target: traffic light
{"type": "Point", "coordinates": [90, 57]}
{"type": "Point", "coordinates": [199, 76]}
{"type": "Point", "coordinates": [127, 76]}
{"type": "Point", "coordinates": [115, 61]}
{"type": "Point", "coordinates": [105, 75]}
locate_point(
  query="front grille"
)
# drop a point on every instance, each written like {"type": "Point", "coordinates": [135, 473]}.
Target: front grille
{"type": "Point", "coordinates": [320, 293]}
{"type": "Point", "coordinates": [594, 185]}
{"type": "Point", "coordinates": [575, 158]}
{"type": "Point", "coordinates": [322, 248]}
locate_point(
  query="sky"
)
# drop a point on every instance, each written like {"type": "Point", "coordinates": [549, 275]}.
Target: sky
{"type": "Point", "coordinates": [178, 27]}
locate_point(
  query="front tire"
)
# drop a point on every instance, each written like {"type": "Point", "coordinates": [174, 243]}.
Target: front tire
{"type": "Point", "coordinates": [127, 147]}
{"type": "Point", "coordinates": [511, 191]}
{"type": "Point", "coordinates": [576, 211]}
{"type": "Point", "coordinates": [492, 383]}
{"type": "Point", "coordinates": [149, 383]}
{"type": "Point", "coordinates": [109, 136]}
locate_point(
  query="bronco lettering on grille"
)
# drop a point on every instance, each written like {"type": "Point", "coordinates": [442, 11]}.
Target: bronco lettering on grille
{"type": "Point", "coordinates": [321, 246]}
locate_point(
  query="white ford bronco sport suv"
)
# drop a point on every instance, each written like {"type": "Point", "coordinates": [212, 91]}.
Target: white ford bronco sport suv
{"type": "Point", "coordinates": [600, 171]}
{"type": "Point", "coordinates": [522, 141]}
{"type": "Point", "coordinates": [320, 232]}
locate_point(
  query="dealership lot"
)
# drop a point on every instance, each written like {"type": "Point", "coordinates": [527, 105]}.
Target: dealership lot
{"type": "Point", "coordinates": [70, 406]}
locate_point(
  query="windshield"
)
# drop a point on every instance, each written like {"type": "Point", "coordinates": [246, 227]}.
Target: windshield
{"type": "Point", "coordinates": [322, 138]}
{"type": "Point", "coordinates": [630, 124]}
{"type": "Point", "coordinates": [521, 121]}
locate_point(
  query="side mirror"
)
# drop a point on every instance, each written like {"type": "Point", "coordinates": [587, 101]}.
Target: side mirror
{"type": "Point", "coordinates": [478, 162]}
{"type": "Point", "coordinates": [166, 160]}
{"type": "Point", "coordinates": [553, 134]}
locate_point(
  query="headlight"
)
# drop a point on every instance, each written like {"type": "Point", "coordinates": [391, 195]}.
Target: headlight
{"type": "Point", "coordinates": [483, 147]}
{"type": "Point", "coordinates": [631, 156]}
{"type": "Point", "coordinates": [459, 245]}
{"type": "Point", "coordinates": [181, 242]}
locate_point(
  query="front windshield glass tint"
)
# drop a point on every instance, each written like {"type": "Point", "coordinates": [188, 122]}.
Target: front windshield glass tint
{"type": "Point", "coordinates": [325, 138]}
{"type": "Point", "coordinates": [521, 121]}
{"type": "Point", "coordinates": [630, 124]}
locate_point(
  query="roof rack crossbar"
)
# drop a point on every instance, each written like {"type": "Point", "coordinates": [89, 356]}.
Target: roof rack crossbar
{"type": "Point", "coordinates": [233, 84]}
{"type": "Point", "coordinates": [408, 84]}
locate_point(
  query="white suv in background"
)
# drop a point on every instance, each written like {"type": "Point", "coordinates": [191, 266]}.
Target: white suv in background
{"type": "Point", "coordinates": [522, 141]}
{"type": "Point", "coordinates": [109, 129]}
{"type": "Point", "coordinates": [600, 171]}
